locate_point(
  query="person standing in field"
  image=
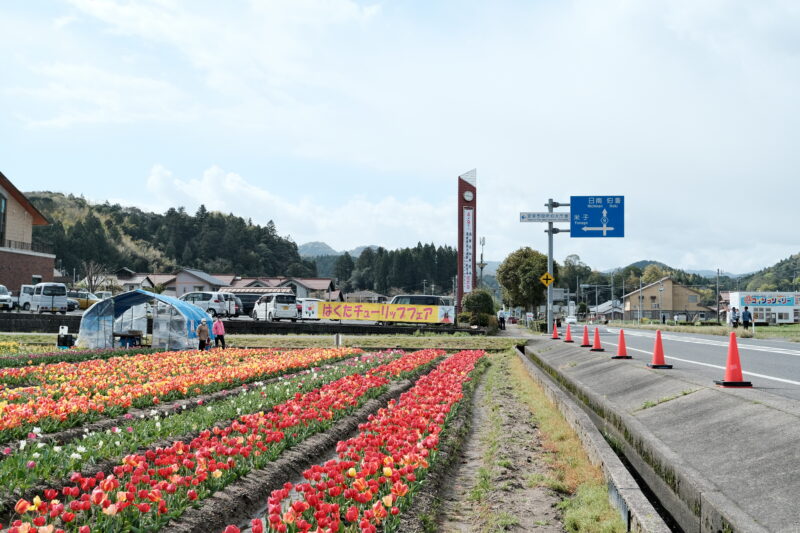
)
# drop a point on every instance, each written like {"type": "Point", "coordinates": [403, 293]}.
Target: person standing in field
{"type": "Point", "coordinates": [218, 329]}
{"type": "Point", "coordinates": [202, 335]}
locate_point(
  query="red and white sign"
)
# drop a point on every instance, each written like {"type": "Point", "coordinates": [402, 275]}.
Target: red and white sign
{"type": "Point", "coordinates": [468, 261]}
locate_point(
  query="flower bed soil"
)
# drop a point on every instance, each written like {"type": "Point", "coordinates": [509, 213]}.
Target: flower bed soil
{"type": "Point", "coordinates": [243, 499]}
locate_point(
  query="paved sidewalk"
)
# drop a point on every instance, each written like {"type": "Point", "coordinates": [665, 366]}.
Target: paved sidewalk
{"type": "Point", "coordinates": [718, 458]}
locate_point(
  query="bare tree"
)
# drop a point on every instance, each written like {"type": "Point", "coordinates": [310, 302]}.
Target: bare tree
{"type": "Point", "coordinates": [94, 274]}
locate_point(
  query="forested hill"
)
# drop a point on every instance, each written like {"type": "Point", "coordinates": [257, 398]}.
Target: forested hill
{"type": "Point", "coordinates": [117, 236]}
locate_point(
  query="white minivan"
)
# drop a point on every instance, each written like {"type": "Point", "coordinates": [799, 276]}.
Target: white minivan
{"type": "Point", "coordinates": [50, 297]}
{"type": "Point", "coordinates": [213, 303]}
{"type": "Point", "coordinates": [275, 306]}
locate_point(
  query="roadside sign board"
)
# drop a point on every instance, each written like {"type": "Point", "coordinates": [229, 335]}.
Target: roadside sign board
{"type": "Point", "coordinates": [547, 279]}
{"type": "Point", "coordinates": [597, 216]}
{"type": "Point", "coordinates": [543, 217]}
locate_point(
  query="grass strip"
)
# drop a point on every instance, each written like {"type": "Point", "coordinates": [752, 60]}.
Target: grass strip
{"type": "Point", "coordinates": [585, 506]}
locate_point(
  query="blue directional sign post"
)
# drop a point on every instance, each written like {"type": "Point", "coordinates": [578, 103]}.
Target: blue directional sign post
{"type": "Point", "coordinates": [597, 216]}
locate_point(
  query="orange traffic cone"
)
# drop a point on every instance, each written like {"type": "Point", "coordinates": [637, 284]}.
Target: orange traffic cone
{"type": "Point", "coordinates": [622, 351]}
{"type": "Point", "coordinates": [555, 331]}
{"type": "Point", "coordinates": [658, 354]}
{"type": "Point", "coordinates": [733, 370]}
{"type": "Point", "coordinates": [596, 346]}
{"type": "Point", "coordinates": [585, 343]}
{"type": "Point", "coordinates": [568, 335]}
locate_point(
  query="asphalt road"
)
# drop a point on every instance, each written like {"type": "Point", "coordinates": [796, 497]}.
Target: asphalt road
{"type": "Point", "coordinates": [772, 365]}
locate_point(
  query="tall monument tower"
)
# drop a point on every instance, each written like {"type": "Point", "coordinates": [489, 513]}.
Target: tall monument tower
{"type": "Point", "coordinates": [467, 203]}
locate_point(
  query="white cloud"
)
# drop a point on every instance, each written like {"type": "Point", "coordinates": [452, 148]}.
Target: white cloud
{"type": "Point", "coordinates": [84, 94]}
{"type": "Point", "coordinates": [688, 108]}
{"type": "Point", "coordinates": [387, 221]}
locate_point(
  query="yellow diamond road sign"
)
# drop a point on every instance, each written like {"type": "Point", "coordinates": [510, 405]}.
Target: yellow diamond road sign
{"type": "Point", "coordinates": [547, 279]}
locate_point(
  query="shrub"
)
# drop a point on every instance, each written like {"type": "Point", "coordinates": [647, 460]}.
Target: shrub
{"type": "Point", "coordinates": [464, 318]}
{"type": "Point", "coordinates": [478, 301]}
{"type": "Point", "coordinates": [492, 325]}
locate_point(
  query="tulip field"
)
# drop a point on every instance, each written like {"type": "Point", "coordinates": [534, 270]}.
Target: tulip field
{"type": "Point", "coordinates": [135, 441]}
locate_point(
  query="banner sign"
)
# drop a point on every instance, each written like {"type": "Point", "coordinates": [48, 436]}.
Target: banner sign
{"type": "Point", "coordinates": [431, 314]}
{"type": "Point", "coordinates": [768, 299]}
{"type": "Point", "coordinates": [469, 238]}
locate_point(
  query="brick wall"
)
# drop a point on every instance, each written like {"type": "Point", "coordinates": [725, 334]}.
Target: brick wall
{"type": "Point", "coordinates": [17, 267]}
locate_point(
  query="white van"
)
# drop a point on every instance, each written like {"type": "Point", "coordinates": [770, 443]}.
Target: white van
{"type": "Point", "coordinates": [50, 297]}
{"type": "Point", "coordinates": [275, 306]}
{"type": "Point", "coordinates": [214, 303]}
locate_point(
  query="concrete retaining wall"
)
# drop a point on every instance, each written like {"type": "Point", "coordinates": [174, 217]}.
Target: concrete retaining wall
{"type": "Point", "coordinates": [695, 503]}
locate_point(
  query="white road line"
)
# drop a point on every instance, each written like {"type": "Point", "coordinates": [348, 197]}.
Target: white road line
{"type": "Point", "coordinates": [709, 342]}
{"type": "Point", "coordinates": [763, 376]}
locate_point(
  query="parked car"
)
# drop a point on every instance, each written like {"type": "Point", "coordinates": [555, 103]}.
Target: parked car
{"type": "Point", "coordinates": [6, 302]}
{"type": "Point", "coordinates": [248, 301]}
{"type": "Point", "coordinates": [23, 300]}
{"type": "Point", "coordinates": [85, 298]}
{"type": "Point", "coordinates": [50, 297]}
{"type": "Point", "coordinates": [72, 304]}
{"type": "Point", "coordinates": [571, 319]}
{"type": "Point", "coordinates": [305, 308]}
{"type": "Point", "coordinates": [103, 295]}
{"type": "Point", "coordinates": [214, 303]}
{"type": "Point", "coordinates": [275, 306]}
{"type": "Point", "coordinates": [419, 299]}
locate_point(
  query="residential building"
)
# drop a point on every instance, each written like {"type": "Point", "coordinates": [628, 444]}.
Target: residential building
{"type": "Point", "coordinates": [610, 310]}
{"type": "Point", "coordinates": [367, 297]}
{"type": "Point", "coordinates": [666, 299]}
{"type": "Point", "coordinates": [20, 258]}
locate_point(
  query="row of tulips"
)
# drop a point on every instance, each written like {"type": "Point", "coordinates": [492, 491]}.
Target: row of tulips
{"type": "Point", "coordinates": [17, 355]}
{"type": "Point", "coordinates": [72, 394]}
{"type": "Point", "coordinates": [34, 462]}
{"type": "Point", "coordinates": [378, 470]}
{"type": "Point", "coordinates": [147, 490]}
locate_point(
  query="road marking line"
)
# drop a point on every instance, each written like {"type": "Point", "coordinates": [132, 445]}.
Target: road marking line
{"type": "Point", "coordinates": [709, 342]}
{"type": "Point", "coordinates": [763, 376]}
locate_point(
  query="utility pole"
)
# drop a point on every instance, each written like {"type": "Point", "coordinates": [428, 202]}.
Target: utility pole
{"type": "Point", "coordinates": [482, 264]}
{"type": "Point", "coordinates": [550, 232]}
{"type": "Point", "coordinates": [424, 286]}
{"type": "Point", "coordinates": [717, 296]}
{"type": "Point", "coordinates": [640, 299]}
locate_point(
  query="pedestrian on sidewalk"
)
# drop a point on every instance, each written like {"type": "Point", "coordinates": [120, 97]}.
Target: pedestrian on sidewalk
{"type": "Point", "coordinates": [501, 319]}
{"type": "Point", "coordinates": [218, 329]}
{"type": "Point", "coordinates": [747, 318]}
{"type": "Point", "coordinates": [202, 335]}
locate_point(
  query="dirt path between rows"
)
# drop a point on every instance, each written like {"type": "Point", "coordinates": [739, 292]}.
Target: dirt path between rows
{"type": "Point", "coordinates": [494, 486]}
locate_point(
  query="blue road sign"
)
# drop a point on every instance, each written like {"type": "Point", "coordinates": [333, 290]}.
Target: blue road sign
{"type": "Point", "coordinates": [597, 216]}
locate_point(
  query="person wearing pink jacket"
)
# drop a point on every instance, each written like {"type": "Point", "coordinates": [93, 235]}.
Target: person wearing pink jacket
{"type": "Point", "coordinates": [218, 329]}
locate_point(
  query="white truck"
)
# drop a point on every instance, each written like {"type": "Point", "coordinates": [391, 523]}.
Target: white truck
{"type": "Point", "coordinates": [24, 299]}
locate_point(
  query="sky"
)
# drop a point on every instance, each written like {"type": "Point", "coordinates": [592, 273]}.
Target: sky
{"type": "Point", "coordinates": [349, 122]}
